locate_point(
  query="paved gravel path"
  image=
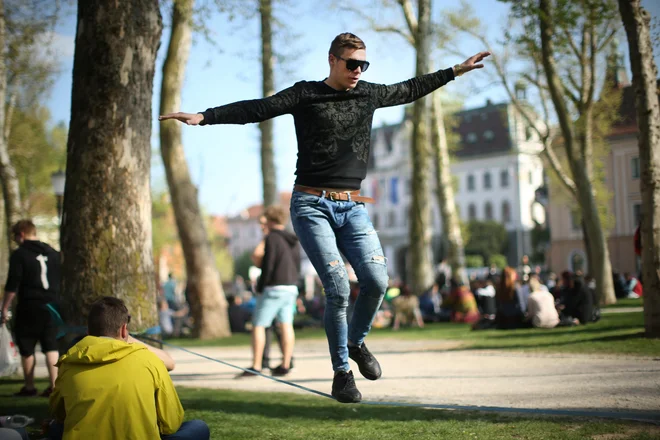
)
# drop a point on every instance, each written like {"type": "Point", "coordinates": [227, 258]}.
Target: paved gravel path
{"type": "Point", "coordinates": [438, 374]}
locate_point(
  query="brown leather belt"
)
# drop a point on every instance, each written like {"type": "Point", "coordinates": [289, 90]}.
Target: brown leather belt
{"type": "Point", "coordinates": [336, 195]}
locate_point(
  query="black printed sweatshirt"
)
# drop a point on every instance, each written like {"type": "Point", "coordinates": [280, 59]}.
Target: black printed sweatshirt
{"type": "Point", "coordinates": [333, 127]}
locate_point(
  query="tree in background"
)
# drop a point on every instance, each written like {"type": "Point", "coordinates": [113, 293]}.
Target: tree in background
{"type": "Point", "coordinates": [563, 45]}
{"type": "Point", "coordinates": [36, 151]}
{"type": "Point", "coordinates": [268, 172]}
{"type": "Point", "coordinates": [487, 238]}
{"type": "Point", "coordinates": [636, 21]}
{"type": "Point", "coordinates": [106, 222]}
{"type": "Point", "coordinates": [208, 303]}
{"type": "Point", "coordinates": [26, 72]}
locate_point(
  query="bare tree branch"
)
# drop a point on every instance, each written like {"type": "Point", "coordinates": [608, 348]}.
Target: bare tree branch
{"type": "Point", "coordinates": [584, 65]}
{"type": "Point", "coordinates": [573, 82]}
{"type": "Point", "coordinates": [394, 30]}
{"type": "Point", "coordinates": [11, 105]}
{"type": "Point", "coordinates": [375, 25]}
{"type": "Point", "coordinates": [607, 39]}
{"type": "Point", "coordinates": [554, 83]}
{"type": "Point", "coordinates": [571, 42]}
{"type": "Point", "coordinates": [409, 14]}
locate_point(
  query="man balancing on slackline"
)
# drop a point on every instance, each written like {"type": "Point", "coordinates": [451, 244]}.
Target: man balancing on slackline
{"type": "Point", "coordinates": [333, 121]}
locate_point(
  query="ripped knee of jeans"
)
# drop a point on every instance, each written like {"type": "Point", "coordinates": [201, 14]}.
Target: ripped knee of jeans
{"type": "Point", "coordinates": [373, 275]}
{"type": "Point", "coordinates": [335, 283]}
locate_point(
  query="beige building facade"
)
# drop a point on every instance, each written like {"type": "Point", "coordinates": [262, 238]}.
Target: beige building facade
{"type": "Point", "coordinates": [622, 174]}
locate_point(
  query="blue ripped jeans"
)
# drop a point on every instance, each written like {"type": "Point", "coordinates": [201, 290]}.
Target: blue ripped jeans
{"type": "Point", "coordinates": [325, 228]}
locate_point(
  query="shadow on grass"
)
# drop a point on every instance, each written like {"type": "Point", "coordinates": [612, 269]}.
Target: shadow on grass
{"type": "Point", "coordinates": [551, 333]}
{"type": "Point", "coordinates": [563, 342]}
{"type": "Point", "coordinates": [272, 406]}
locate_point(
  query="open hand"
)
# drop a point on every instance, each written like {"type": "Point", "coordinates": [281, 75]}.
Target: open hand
{"type": "Point", "coordinates": [474, 62]}
{"type": "Point", "coordinates": [186, 118]}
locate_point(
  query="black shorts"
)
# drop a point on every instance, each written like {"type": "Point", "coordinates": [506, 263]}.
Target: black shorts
{"type": "Point", "coordinates": [32, 325]}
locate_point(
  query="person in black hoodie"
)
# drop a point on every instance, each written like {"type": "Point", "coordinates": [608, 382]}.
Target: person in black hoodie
{"type": "Point", "coordinates": [34, 278]}
{"type": "Point", "coordinates": [277, 287]}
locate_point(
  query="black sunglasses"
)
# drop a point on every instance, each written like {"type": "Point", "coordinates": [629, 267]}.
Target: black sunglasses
{"type": "Point", "coordinates": [354, 64]}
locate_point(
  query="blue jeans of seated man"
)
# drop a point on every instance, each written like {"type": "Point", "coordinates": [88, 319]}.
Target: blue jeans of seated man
{"type": "Point", "coordinates": [192, 430]}
{"type": "Point", "coordinates": [325, 228]}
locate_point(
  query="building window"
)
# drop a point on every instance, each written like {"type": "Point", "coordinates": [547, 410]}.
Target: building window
{"type": "Point", "coordinates": [470, 182]}
{"type": "Point", "coordinates": [488, 210]}
{"type": "Point", "coordinates": [489, 135]}
{"type": "Point", "coordinates": [374, 220]}
{"type": "Point", "coordinates": [472, 212]}
{"type": "Point", "coordinates": [468, 118]}
{"type": "Point", "coordinates": [637, 214]}
{"type": "Point", "coordinates": [506, 212]}
{"type": "Point", "coordinates": [504, 178]}
{"type": "Point", "coordinates": [484, 116]}
{"type": "Point", "coordinates": [634, 165]}
{"type": "Point", "coordinates": [576, 221]}
{"type": "Point", "coordinates": [472, 138]}
{"type": "Point", "coordinates": [487, 181]}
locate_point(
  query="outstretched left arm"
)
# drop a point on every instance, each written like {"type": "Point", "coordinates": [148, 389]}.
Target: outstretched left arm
{"type": "Point", "coordinates": [413, 89]}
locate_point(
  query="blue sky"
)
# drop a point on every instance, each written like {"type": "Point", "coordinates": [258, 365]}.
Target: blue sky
{"type": "Point", "coordinates": [224, 160]}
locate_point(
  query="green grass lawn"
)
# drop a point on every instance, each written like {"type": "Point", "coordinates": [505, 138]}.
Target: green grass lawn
{"type": "Point", "coordinates": [620, 333]}
{"type": "Point", "coordinates": [628, 302]}
{"type": "Point", "coordinates": [249, 415]}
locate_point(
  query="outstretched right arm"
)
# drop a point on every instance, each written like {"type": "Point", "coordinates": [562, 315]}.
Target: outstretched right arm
{"type": "Point", "coordinates": [243, 112]}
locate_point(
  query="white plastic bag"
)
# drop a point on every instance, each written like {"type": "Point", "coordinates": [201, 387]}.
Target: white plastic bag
{"type": "Point", "coordinates": [9, 357]}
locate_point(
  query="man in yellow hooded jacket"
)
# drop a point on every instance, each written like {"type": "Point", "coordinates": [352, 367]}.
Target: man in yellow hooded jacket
{"type": "Point", "coordinates": [110, 386]}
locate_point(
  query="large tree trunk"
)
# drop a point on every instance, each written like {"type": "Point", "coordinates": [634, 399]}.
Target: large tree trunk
{"type": "Point", "coordinates": [207, 299]}
{"type": "Point", "coordinates": [4, 256]}
{"type": "Point", "coordinates": [451, 227]}
{"type": "Point", "coordinates": [266, 127]}
{"type": "Point", "coordinates": [8, 179]}
{"type": "Point", "coordinates": [595, 239]}
{"type": "Point", "coordinates": [636, 21]}
{"type": "Point", "coordinates": [420, 214]}
{"type": "Point", "coordinates": [106, 224]}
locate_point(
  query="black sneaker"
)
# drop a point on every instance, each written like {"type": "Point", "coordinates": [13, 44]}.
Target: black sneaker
{"type": "Point", "coordinates": [367, 363]}
{"type": "Point", "coordinates": [250, 372]}
{"type": "Point", "coordinates": [280, 371]}
{"type": "Point", "coordinates": [25, 392]}
{"type": "Point", "coordinates": [344, 389]}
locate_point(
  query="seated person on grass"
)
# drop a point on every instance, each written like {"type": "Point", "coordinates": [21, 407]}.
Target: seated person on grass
{"type": "Point", "coordinates": [111, 386]}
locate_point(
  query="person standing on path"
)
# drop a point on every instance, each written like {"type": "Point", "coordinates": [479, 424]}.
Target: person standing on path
{"type": "Point", "coordinates": [277, 289]}
{"type": "Point", "coordinates": [333, 120]}
{"type": "Point", "coordinates": [34, 278]}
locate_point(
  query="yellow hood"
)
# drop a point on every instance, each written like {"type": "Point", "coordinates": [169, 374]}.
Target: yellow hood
{"type": "Point", "coordinates": [98, 350]}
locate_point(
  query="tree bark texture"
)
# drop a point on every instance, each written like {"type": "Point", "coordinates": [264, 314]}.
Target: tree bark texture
{"type": "Point", "coordinates": [578, 150]}
{"type": "Point", "coordinates": [420, 214]}
{"type": "Point", "coordinates": [451, 227]}
{"type": "Point", "coordinates": [207, 299]}
{"type": "Point", "coordinates": [636, 21]}
{"type": "Point", "coordinates": [268, 172]}
{"type": "Point", "coordinates": [106, 225]}
{"type": "Point", "coordinates": [10, 187]}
